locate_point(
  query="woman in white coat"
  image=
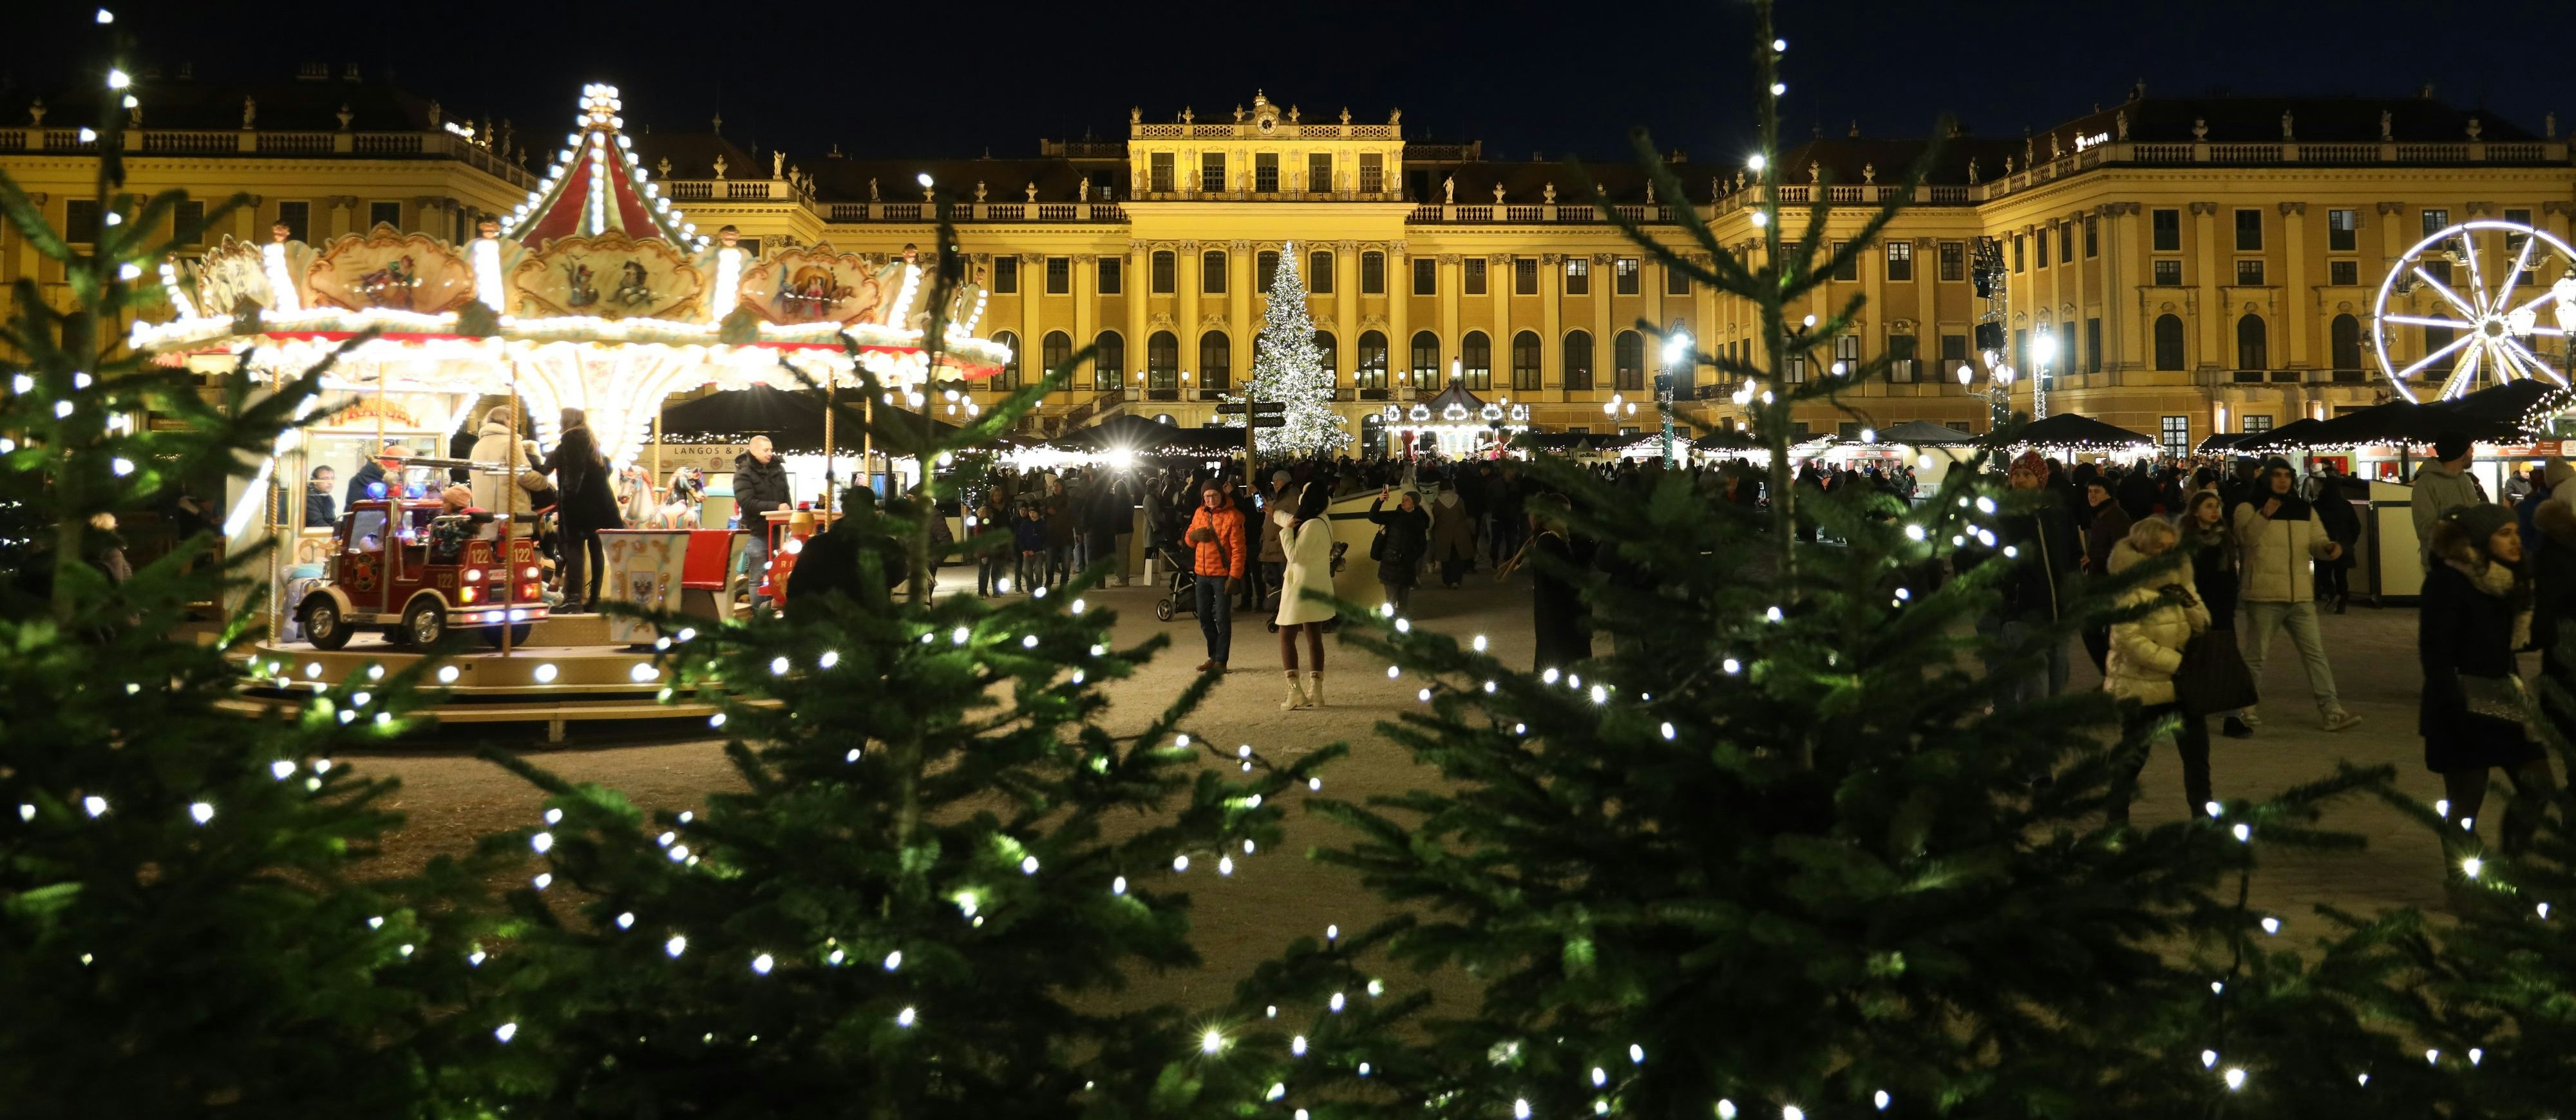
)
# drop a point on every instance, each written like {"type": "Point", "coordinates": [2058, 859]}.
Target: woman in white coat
{"type": "Point", "coordinates": [2146, 651]}
{"type": "Point", "coordinates": [1307, 539]}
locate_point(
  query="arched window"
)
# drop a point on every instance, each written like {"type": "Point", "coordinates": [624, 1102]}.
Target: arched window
{"type": "Point", "coordinates": [1163, 361]}
{"type": "Point", "coordinates": [1372, 273]}
{"type": "Point", "coordinates": [1166, 266]}
{"type": "Point", "coordinates": [1055, 350]}
{"type": "Point", "coordinates": [1319, 272]}
{"type": "Point", "coordinates": [1009, 378]}
{"type": "Point", "coordinates": [1476, 362]}
{"type": "Point", "coordinates": [1325, 353]}
{"type": "Point", "coordinates": [1109, 365]}
{"type": "Point", "coordinates": [1578, 360]}
{"type": "Point", "coordinates": [1372, 436]}
{"type": "Point", "coordinates": [2250, 348]}
{"type": "Point", "coordinates": [1426, 361]}
{"type": "Point", "coordinates": [1628, 357]}
{"type": "Point", "coordinates": [1525, 361]}
{"type": "Point", "coordinates": [1265, 268]}
{"type": "Point", "coordinates": [1216, 361]}
{"type": "Point", "coordinates": [1212, 272]}
{"type": "Point", "coordinates": [2169, 342]}
{"type": "Point", "coordinates": [2437, 338]}
{"type": "Point", "coordinates": [1371, 374]}
{"type": "Point", "coordinates": [2344, 342]}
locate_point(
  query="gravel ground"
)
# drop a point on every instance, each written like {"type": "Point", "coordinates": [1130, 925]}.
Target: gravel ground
{"type": "Point", "coordinates": [451, 796]}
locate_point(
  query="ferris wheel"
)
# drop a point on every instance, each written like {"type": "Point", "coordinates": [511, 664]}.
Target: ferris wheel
{"type": "Point", "coordinates": [2475, 304]}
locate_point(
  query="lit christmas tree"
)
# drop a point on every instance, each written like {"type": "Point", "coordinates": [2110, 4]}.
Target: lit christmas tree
{"type": "Point", "coordinates": [1287, 366]}
{"type": "Point", "coordinates": [186, 926]}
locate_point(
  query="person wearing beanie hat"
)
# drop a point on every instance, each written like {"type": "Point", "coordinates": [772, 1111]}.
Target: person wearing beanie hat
{"type": "Point", "coordinates": [2476, 611]}
{"type": "Point", "coordinates": [2278, 536]}
{"type": "Point", "coordinates": [2443, 485]}
{"type": "Point", "coordinates": [2342, 525]}
{"type": "Point", "coordinates": [2046, 554]}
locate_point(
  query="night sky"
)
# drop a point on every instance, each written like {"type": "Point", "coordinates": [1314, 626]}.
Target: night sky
{"type": "Point", "coordinates": [957, 79]}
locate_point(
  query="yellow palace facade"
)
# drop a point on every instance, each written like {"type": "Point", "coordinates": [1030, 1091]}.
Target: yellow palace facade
{"type": "Point", "coordinates": [2203, 265]}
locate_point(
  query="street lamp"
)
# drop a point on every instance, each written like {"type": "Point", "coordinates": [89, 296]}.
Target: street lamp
{"type": "Point", "coordinates": [1677, 352]}
{"type": "Point", "coordinates": [2043, 350]}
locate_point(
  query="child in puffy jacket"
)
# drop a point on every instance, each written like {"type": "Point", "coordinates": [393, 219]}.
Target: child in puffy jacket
{"type": "Point", "coordinates": [1029, 535]}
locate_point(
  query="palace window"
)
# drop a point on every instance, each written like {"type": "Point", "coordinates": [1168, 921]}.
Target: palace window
{"type": "Point", "coordinates": [1676, 281]}
{"type": "Point", "coordinates": [2343, 231]}
{"type": "Point", "coordinates": [297, 217]}
{"type": "Point", "coordinates": [1371, 372]}
{"type": "Point", "coordinates": [1954, 350]}
{"type": "Point", "coordinates": [2343, 274]}
{"type": "Point", "coordinates": [1628, 360]}
{"type": "Point", "coordinates": [1325, 352]}
{"type": "Point", "coordinates": [384, 214]}
{"type": "Point", "coordinates": [2513, 241]}
{"type": "Point", "coordinates": [1160, 180]}
{"type": "Point", "coordinates": [2092, 237]}
{"type": "Point", "coordinates": [2343, 343]}
{"type": "Point", "coordinates": [1216, 360]}
{"type": "Point", "coordinates": [1578, 360]}
{"type": "Point", "coordinates": [1211, 172]}
{"type": "Point", "coordinates": [2177, 436]}
{"type": "Point", "coordinates": [2168, 274]}
{"type": "Point", "coordinates": [1265, 269]}
{"type": "Point", "coordinates": [1372, 172]}
{"type": "Point", "coordinates": [1319, 172]}
{"type": "Point", "coordinates": [188, 219]}
{"type": "Point", "coordinates": [1059, 276]}
{"type": "Point", "coordinates": [2019, 263]}
{"type": "Point", "coordinates": [2249, 272]}
{"type": "Point", "coordinates": [1426, 361]}
{"type": "Point", "coordinates": [2167, 227]}
{"type": "Point", "coordinates": [2251, 351]}
{"type": "Point", "coordinates": [2093, 345]}
{"type": "Point", "coordinates": [1954, 261]}
{"type": "Point", "coordinates": [1372, 273]}
{"type": "Point", "coordinates": [2435, 221]}
{"type": "Point", "coordinates": [1426, 276]}
{"type": "Point", "coordinates": [1265, 172]}
{"type": "Point", "coordinates": [1055, 350]}
{"type": "Point", "coordinates": [1165, 266]}
{"type": "Point", "coordinates": [2066, 244]}
{"type": "Point", "coordinates": [2249, 231]}
{"type": "Point", "coordinates": [1900, 260]}
{"type": "Point", "coordinates": [1623, 276]}
{"type": "Point", "coordinates": [1578, 278]}
{"type": "Point", "coordinates": [1163, 361]}
{"type": "Point", "coordinates": [1006, 275]}
{"type": "Point", "coordinates": [2041, 237]}
{"type": "Point", "coordinates": [1212, 272]}
{"type": "Point", "coordinates": [1112, 275]}
{"type": "Point", "coordinates": [1900, 358]}
{"type": "Point", "coordinates": [1525, 360]}
{"type": "Point", "coordinates": [1475, 362]}
{"type": "Point", "coordinates": [1009, 378]}
{"type": "Point", "coordinates": [1109, 365]}
{"type": "Point", "coordinates": [1472, 278]}
{"type": "Point", "coordinates": [1848, 268]}
{"type": "Point", "coordinates": [2258, 422]}
{"type": "Point", "coordinates": [1524, 276]}
{"type": "Point", "coordinates": [1319, 272]}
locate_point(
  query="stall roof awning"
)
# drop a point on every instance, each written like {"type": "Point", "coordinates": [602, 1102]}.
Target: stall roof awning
{"type": "Point", "coordinates": [2069, 431]}
{"type": "Point", "coordinates": [792, 420]}
{"type": "Point", "coordinates": [1924, 433]}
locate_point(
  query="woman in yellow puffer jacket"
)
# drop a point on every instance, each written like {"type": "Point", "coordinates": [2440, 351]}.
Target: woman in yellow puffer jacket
{"type": "Point", "coordinates": [2145, 652]}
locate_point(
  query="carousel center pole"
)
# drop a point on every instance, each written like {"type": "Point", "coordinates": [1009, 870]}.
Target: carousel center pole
{"type": "Point", "coordinates": [830, 392]}
{"type": "Point", "coordinates": [510, 521]}
{"type": "Point", "coordinates": [393, 510]}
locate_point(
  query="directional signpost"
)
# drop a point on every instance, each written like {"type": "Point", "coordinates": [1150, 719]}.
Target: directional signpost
{"type": "Point", "coordinates": [1264, 414]}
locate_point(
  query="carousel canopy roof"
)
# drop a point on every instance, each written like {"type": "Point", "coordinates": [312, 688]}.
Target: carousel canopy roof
{"type": "Point", "coordinates": [597, 186]}
{"type": "Point", "coordinates": [2067, 430]}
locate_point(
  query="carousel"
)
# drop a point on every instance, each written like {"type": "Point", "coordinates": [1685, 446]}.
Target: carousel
{"type": "Point", "coordinates": [1457, 423]}
{"type": "Point", "coordinates": [596, 294]}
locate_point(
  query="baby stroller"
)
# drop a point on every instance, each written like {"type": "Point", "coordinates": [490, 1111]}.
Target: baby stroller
{"type": "Point", "coordinates": [1182, 595]}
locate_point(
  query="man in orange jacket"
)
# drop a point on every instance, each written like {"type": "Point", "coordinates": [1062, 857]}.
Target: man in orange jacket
{"type": "Point", "coordinates": [1216, 540]}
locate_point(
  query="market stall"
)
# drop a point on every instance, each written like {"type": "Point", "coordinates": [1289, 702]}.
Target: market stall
{"type": "Point", "coordinates": [2070, 435]}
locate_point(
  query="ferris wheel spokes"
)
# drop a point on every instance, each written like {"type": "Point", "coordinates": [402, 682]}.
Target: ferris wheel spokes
{"type": "Point", "coordinates": [2490, 328]}
{"type": "Point", "coordinates": [2524, 357]}
{"type": "Point", "coordinates": [2521, 260]}
{"type": "Point", "coordinates": [2466, 308]}
{"type": "Point", "coordinates": [2463, 372]}
{"type": "Point", "coordinates": [2433, 357]}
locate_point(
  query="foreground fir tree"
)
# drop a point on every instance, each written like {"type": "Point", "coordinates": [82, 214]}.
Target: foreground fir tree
{"type": "Point", "coordinates": [185, 929]}
{"type": "Point", "coordinates": [1787, 850]}
{"type": "Point", "coordinates": [938, 875]}
{"type": "Point", "coordinates": [1288, 367]}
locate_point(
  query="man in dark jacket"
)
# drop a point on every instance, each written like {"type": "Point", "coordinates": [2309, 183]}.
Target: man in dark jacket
{"type": "Point", "coordinates": [588, 505]}
{"type": "Point", "coordinates": [374, 472]}
{"type": "Point", "coordinates": [759, 486]}
{"type": "Point", "coordinates": [2046, 553]}
{"type": "Point", "coordinates": [2110, 525]}
{"type": "Point", "coordinates": [2343, 526]}
{"type": "Point", "coordinates": [319, 512]}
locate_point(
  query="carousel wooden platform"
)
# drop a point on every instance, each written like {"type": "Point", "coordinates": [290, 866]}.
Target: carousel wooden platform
{"type": "Point", "coordinates": [568, 673]}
